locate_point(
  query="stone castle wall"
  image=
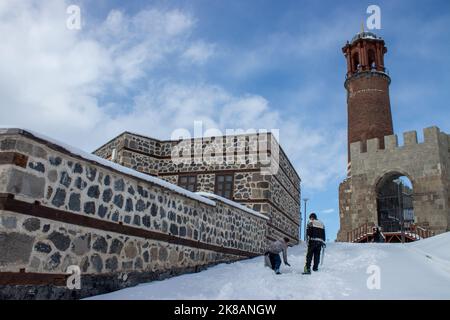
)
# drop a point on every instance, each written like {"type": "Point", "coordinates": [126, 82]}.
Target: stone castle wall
{"type": "Point", "coordinates": [426, 164]}
{"type": "Point", "coordinates": [280, 191]}
{"type": "Point", "coordinates": [58, 209]}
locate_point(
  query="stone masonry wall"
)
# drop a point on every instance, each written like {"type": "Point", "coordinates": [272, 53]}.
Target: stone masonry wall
{"type": "Point", "coordinates": [426, 164]}
{"type": "Point", "coordinates": [164, 232]}
{"type": "Point", "coordinates": [281, 190]}
{"type": "Point", "coordinates": [284, 200]}
{"type": "Point", "coordinates": [254, 188]}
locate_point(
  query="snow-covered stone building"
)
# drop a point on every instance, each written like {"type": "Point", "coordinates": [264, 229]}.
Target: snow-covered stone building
{"type": "Point", "coordinates": [251, 169]}
{"type": "Point", "coordinates": [66, 214]}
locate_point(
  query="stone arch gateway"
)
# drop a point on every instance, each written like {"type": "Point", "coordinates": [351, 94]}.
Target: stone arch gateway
{"type": "Point", "coordinates": [395, 202]}
{"type": "Point", "coordinates": [426, 164]}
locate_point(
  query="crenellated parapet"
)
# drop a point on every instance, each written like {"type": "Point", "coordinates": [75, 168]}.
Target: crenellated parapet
{"type": "Point", "coordinates": [432, 137]}
{"type": "Point", "coordinates": [426, 164]}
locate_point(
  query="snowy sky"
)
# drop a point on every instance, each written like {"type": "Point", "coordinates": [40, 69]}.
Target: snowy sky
{"type": "Point", "coordinates": [155, 66]}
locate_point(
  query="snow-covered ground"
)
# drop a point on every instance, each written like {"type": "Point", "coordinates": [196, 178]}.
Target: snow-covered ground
{"type": "Point", "coordinates": [419, 270]}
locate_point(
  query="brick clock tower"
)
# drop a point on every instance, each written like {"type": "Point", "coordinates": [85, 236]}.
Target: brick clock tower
{"type": "Point", "coordinates": [367, 84]}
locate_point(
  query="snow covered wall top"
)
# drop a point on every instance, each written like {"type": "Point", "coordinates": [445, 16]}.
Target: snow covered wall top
{"type": "Point", "coordinates": [60, 206]}
{"type": "Point", "coordinates": [101, 161]}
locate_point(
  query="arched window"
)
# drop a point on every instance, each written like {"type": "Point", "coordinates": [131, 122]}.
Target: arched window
{"type": "Point", "coordinates": [372, 61]}
{"type": "Point", "coordinates": [356, 64]}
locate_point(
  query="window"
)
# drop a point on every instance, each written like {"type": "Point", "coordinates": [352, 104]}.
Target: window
{"type": "Point", "coordinates": [356, 64]}
{"type": "Point", "coordinates": [224, 185]}
{"type": "Point", "coordinates": [188, 182]}
{"type": "Point", "coordinates": [372, 63]}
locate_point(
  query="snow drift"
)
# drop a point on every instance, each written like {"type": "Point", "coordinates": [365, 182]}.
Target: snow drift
{"type": "Point", "coordinates": [419, 270]}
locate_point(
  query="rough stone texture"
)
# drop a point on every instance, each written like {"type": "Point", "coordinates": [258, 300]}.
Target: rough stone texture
{"type": "Point", "coordinates": [59, 198]}
{"type": "Point", "coordinates": [426, 164]}
{"type": "Point", "coordinates": [60, 241]}
{"type": "Point", "coordinates": [32, 224]}
{"type": "Point", "coordinates": [81, 245]}
{"type": "Point", "coordinates": [9, 222]}
{"type": "Point", "coordinates": [100, 245]}
{"type": "Point", "coordinates": [42, 247]}
{"type": "Point", "coordinates": [15, 248]}
{"type": "Point", "coordinates": [280, 190]}
{"type": "Point", "coordinates": [26, 184]}
{"type": "Point", "coordinates": [75, 202]}
{"type": "Point", "coordinates": [48, 246]}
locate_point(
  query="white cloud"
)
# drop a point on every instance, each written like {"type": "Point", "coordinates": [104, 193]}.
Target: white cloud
{"type": "Point", "coordinates": [54, 80]}
{"type": "Point", "coordinates": [327, 211]}
{"type": "Point", "coordinates": [199, 52]}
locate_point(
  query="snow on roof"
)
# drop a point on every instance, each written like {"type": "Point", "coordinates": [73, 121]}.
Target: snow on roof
{"type": "Point", "coordinates": [114, 166]}
{"type": "Point", "coordinates": [365, 35]}
{"type": "Point", "coordinates": [233, 204]}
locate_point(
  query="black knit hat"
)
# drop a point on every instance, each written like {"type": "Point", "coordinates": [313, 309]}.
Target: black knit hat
{"type": "Point", "coordinates": [313, 216]}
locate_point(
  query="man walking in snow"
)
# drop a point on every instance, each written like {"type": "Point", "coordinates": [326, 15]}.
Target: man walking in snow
{"type": "Point", "coordinates": [315, 233]}
{"type": "Point", "coordinates": [273, 254]}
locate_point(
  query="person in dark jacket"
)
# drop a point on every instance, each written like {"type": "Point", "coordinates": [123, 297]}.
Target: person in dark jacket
{"type": "Point", "coordinates": [378, 236]}
{"type": "Point", "coordinates": [273, 254]}
{"type": "Point", "coordinates": [315, 233]}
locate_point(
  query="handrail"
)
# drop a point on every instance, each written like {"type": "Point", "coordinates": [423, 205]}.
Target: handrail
{"type": "Point", "coordinates": [413, 231]}
{"type": "Point", "coordinates": [359, 232]}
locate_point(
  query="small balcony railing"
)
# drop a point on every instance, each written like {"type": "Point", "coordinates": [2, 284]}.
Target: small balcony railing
{"type": "Point", "coordinates": [386, 72]}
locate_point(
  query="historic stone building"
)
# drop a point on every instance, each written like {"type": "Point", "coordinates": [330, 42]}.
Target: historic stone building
{"type": "Point", "coordinates": [372, 194]}
{"type": "Point", "coordinates": [64, 212]}
{"type": "Point", "coordinates": [251, 169]}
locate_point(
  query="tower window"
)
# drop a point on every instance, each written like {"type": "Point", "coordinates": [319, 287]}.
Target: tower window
{"type": "Point", "coordinates": [356, 64]}
{"type": "Point", "coordinates": [371, 56]}
{"type": "Point", "coordinates": [224, 186]}
{"type": "Point", "coordinates": [188, 182]}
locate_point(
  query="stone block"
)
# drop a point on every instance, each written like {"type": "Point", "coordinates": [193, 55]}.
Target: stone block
{"type": "Point", "coordinates": [431, 134]}
{"type": "Point", "coordinates": [15, 248]}
{"type": "Point", "coordinates": [373, 145]}
{"type": "Point", "coordinates": [410, 138]}
{"type": "Point", "coordinates": [32, 224]}
{"type": "Point", "coordinates": [61, 241]}
{"type": "Point", "coordinates": [391, 142]}
{"type": "Point", "coordinates": [81, 245]}
{"type": "Point", "coordinates": [26, 184]}
{"type": "Point", "coordinates": [355, 148]}
{"type": "Point", "coordinates": [9, 222]}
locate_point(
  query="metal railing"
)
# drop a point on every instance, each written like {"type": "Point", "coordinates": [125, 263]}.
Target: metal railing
{"type": "Point", "coordinates": [385, 71]}
{"type": "Point", "coordinates": [360, 232]}
{"type": "Point", "coordinates": [364, 231]}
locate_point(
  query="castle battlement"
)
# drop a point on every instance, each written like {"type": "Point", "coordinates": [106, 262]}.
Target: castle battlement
{"type": "Point", "coordinates": [432, 136]}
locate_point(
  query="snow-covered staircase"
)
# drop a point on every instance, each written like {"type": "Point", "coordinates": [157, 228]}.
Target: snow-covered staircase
{"type": "Point", "coordinates": [364, 233]}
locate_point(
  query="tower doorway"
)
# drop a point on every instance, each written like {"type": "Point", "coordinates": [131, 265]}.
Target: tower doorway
{"type": "Point", "coordinates": [395, 203]}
